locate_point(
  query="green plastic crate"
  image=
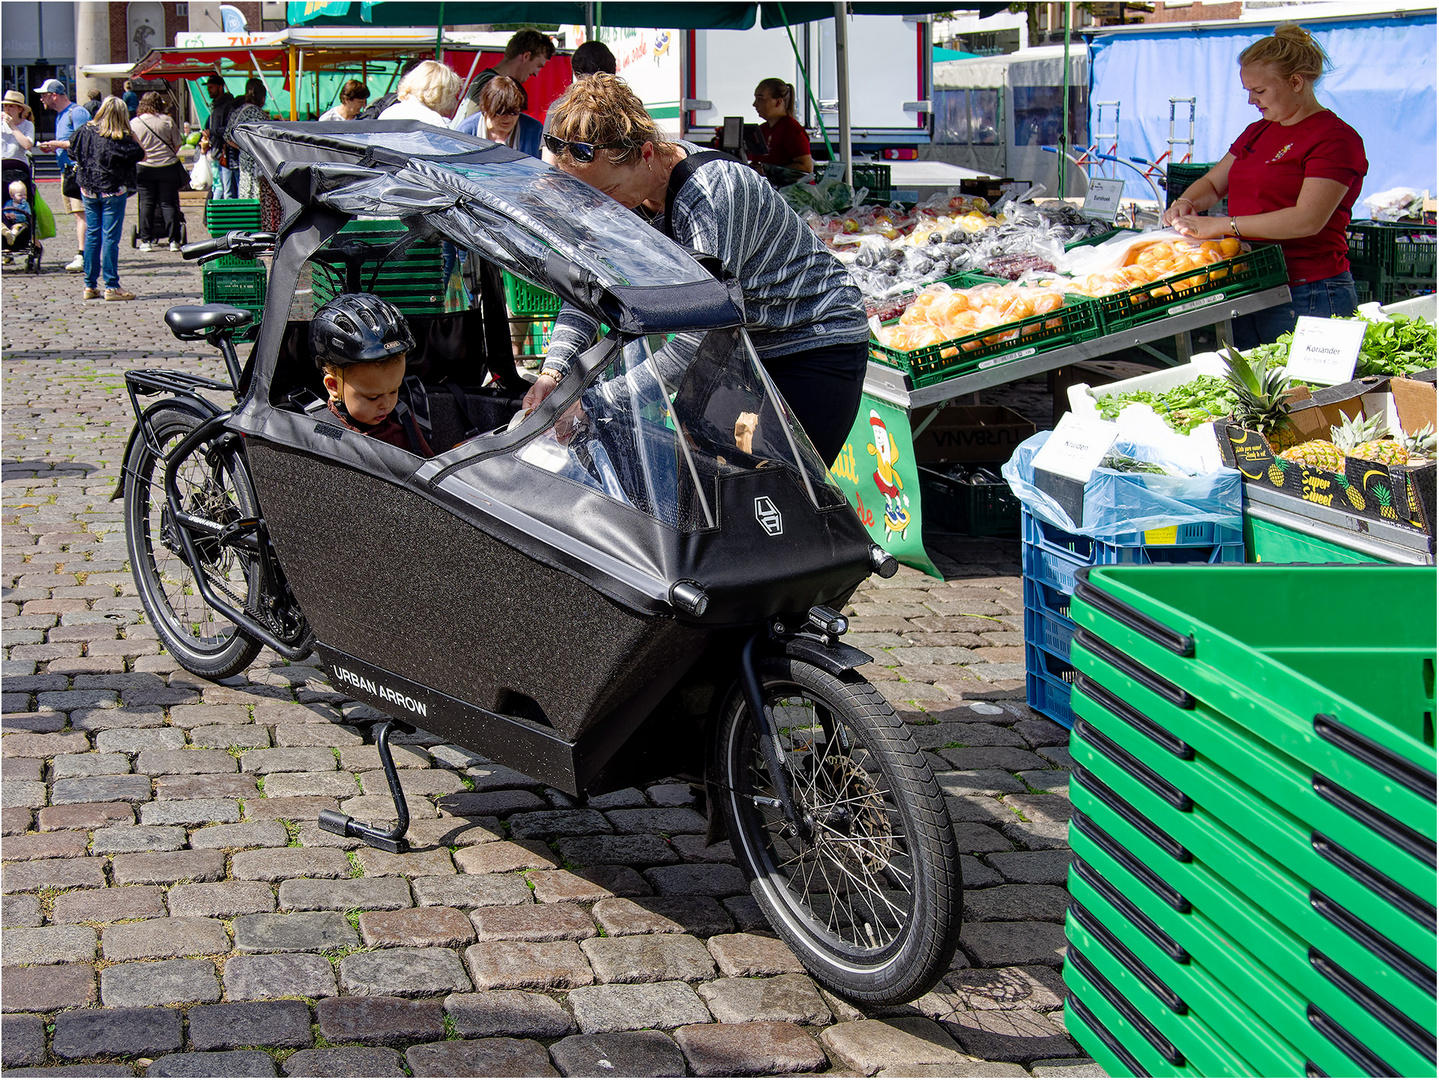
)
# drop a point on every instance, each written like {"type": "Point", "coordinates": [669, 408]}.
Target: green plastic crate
{"type": "Point", "coordinates": [222, 215]}
{"type": "Point", "coordinates": [1077, 320]}
{"type": "Point", "coordinates": [1277, 940]}
{"type": "Point", "coordinates": [241, 286]}
{"type": "Point", "coordinates": [522, 298]}
{"type": "Point", "coordinates": [1386, 290]}
{"type": "Point", "coordinates": [1180, 175]}
{"type": "Point", "coordinates": [1392, 249]}
{"type": "Point", "coordinates": [1248, 272]}
{"type": "Point", "coordinates": [1270, 542]}
{"type": "Point", "coordinates": [875, 176]}
{"type": "Point", "coordinates": [1246, 837]}
{"type": "Point", "coordinates": [1255, 636]}
{"type": "Point", "coordinates": [411, 280]}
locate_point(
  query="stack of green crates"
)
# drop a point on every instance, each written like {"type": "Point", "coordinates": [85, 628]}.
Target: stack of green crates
{"type": "Point", "coordinates": [413, 280]}
{"type": "Point", "coordinates": [533, 305]}
{"type": "Point", "coordinates": [1180, 175]}
{"type": "Point", "coordinates": [1253, 884]}
{"type": "Point", "coordinates": [1390, 260]}
{"type": "Point", "coordinates": [230, 279]}
{"type": "Point", "coordinates": [223, 215]}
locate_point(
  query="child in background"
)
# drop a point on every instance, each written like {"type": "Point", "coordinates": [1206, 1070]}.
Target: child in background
{"type": "Point", "coordinates": [18, 219]}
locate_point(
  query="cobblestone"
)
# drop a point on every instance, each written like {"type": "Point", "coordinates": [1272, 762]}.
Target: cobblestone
{"type": "Point", "coordinates": [532, 922]}
{"type": "Point", "coordinates": [279, 975]}
{"type": "Point", "coordinates": [168, 867]}
{"type": "Point", "coordinates": [106, 1032]}
{"type": "Point", "coordinates": [379, 1019]}
{"type": "Point", "coordinates": [50, 945]}
{"type": "Point", "coordinates": [625, 1053]}
{"type": "Point", "coordinates": [403, 972]}
{"type": "Point", "coordinates": [368, 894]}
{"type": "Point", "coordinates": [481, 1057]}
{"type": "Point", "coordinates": [526, 965]}
{"type": "Point", "coordinates": [648, 957]}
{"type": "Point", "coordinates": [53, 873]}
{"type": "Point", "coordinates": [231, 1025]}
{"type": "Point", "coordinates": [299, 932]}
{"type": "Point", "coordinates": [52, 845]}
{"type": "Point", "coordinates": [159, 982]}
{"type": "Point", "coordinates": [417, 927]}
{"type": "Point", "coordinates": [231, 1063]}
{"type": "Point", "coordinates": [221, 899]}
{"type": "Point", "coordinates": [156, 939]}
{"type": "Point", "coordinates": [759, 1048]}
{"type": "Point", "coordinates": [620, 1007]}
{"type": "Point", "coordinates": [508, 1012]}
{"type": "Point", "coordinates": [785, 998]}
{"type": "Point", "coordinates": [346, 1061]}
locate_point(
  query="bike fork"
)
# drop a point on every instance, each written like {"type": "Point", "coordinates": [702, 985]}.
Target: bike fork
{"type": "Point", "coordinates": [391, 840]}
{"type": "Point", "coordinates": [769, 734]}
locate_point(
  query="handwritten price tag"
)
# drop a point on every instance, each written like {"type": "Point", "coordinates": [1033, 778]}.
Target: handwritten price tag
{"type": "Point", "coordinates": [1325, 350]}
{"type": "Point", "coordinates": [1076, 447]}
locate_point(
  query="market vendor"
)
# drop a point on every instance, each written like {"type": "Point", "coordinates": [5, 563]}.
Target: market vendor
{"type": "Point", "coordinates": [1292, 177]}
{"type": "Point", "coordinates": [786, 141]}
{"type": "Point", "coordinates": [804, 314]}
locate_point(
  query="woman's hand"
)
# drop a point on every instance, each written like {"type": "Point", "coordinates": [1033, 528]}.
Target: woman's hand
{"type": "Point", "coordinates": [1201, 226]}
{"type": "Point", "coordinates": [544, 386]}
{"type": "Point", "coordinates": [1177, 209]}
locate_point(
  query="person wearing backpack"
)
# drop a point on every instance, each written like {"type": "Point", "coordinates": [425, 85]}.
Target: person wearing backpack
{"type": "Point", "coordinates": [804, 314]}
{"type": "Point", "coordinates": [226, 157]}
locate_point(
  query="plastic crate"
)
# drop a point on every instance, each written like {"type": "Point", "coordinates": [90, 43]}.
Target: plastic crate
{"type": "Point", "coordinates": [1052, 633]}
{"type": "Point", "coordinates": [222, 215]}
{"type": "Point", "coordinates": [1052, 556]}
{"type": "Point", "coordinates": [1077, 321]}
{"type": "Point", "coordinates": [1251, 271]}
{"type": "Point", "coordinates": [1047, 599]}
{"type": "Point", "coordinates": [1270, 542]}
{"type": "Point", "coordinates": [1393, 249]}
{"type": "Point", "coordinates": [1180, 175]}
{"type": "Point", "coordinates": [875, 176]}
{"type": "Point", "coordinates": [243, 287]}
{"type": "Point", "coordinates": [1390, 290]}
{"type": "Point", "coordinates": [1047, 681]}
{"type": "Point", "coordinates": [522, 298]}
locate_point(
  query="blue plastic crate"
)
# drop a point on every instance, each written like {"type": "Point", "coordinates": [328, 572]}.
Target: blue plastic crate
{"type": "Point", "coordinates": [1047, 682]}
{"type": "Point", "coordinates": [1051, 555]}
{"type": "Point", "coordinates": [1046, 599]}
{"type": "Point", "coordinates": [1052, 633]}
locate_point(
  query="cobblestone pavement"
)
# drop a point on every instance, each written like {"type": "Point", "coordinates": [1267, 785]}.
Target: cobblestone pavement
{"type": "Point", "coordinates": [171, 908]}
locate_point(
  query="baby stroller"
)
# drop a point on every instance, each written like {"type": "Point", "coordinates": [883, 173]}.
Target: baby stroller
{"type": "Point", "coordinates": [641, 578]}
{"type": "Point", "coordinates": [25, 240]}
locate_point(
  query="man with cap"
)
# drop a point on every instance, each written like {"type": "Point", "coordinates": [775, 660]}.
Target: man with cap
{"type": "Point", "coordinates": [222, 104]}
{"type": "Point", "coordinates": [69, 118]}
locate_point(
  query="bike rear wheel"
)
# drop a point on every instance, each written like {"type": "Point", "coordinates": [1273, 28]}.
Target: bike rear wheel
{"type": "Point", "coordinates": [870, 901]}
{"type": "Point", "coordinates": [213, 484]}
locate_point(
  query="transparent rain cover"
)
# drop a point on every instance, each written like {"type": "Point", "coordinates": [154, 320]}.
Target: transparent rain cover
{"type": "Point", "coordinates": [658, 426]}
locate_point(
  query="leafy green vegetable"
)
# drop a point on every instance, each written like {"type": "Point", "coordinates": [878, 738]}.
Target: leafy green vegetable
{"type": "Point", "coordinates": [1184, 407]}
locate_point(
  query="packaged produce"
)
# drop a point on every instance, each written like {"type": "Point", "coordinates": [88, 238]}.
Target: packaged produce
{"type": "Point", "coordinates": [940, 314]}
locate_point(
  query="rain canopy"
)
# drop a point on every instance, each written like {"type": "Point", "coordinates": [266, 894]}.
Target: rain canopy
{"type": "Point", "coordinates": [665, 456]}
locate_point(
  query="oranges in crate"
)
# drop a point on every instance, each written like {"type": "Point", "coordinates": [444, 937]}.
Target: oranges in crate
{"type": "Point", "coordinates": [941, 314]}
{"type": "Point", "coordinates": [1162, 259]}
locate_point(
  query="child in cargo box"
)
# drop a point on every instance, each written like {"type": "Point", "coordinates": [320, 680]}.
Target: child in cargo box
{"type": "Point", "coordinates": [360, 343]}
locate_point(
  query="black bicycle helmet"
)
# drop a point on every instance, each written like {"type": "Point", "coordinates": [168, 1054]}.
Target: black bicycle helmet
{"type": "Point", "coordinates": [358, 328]}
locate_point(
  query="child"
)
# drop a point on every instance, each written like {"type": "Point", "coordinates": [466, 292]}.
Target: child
{"type": "Point", "coordinates": [18, 218]}
{"type": "Point", "coordinates": [361, 342]}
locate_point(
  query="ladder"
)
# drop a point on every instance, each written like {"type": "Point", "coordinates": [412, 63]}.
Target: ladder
{"type": "Point", "coordinates": [1188, 143]}
{"type": "Point", "coordinates": [1101, 135]}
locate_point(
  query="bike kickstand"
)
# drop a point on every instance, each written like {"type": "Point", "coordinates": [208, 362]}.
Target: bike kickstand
{"type": "Point", "coordinates": [391, 840]}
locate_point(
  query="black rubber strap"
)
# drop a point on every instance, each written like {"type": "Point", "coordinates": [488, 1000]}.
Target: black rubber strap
{"type": "Point", "coordinates": [1411, 1033]}
{"type": "Point", "coordinates": [1125, 615]}
{"type": "Point", "coordinates": [1416, 778]}
{"type": "Point", "coordinates": [1122, 952]}
{"type": "Point", "coordinates": [1365, 1058]}
{"type": "Point", "coordinates": [1179, 698]}
{"type": "Point", "coordinates": [1097, 836]}
{"type": "Point", "coordinates": [1416, 907]}
{"type": "Point", "coordinates": [1416, 971]}
{"type": "Point", "coordinates": [1392, 829]}
{"type": "Point", "coordinates": [682, 171]}
{"type": "Point", "coordinates": [1131, 911]}
{"type": "Point", "coordinates": [1117, 755]}
{"type": "Point", "coordinates": [1137, 821]}
{"type": "Point", "coordinates": [1122, 710]}
{"type": "Point", "coordinates": [1122, 1005]}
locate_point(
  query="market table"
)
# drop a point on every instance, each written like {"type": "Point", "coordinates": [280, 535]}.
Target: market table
{"type": "Point", "coordinates": [883, 439]}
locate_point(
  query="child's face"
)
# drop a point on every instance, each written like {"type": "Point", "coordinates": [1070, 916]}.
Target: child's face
{"type": "Point", "coordinates": [369, 391]}
{"type": "Point", "coordinates": [17, 191]}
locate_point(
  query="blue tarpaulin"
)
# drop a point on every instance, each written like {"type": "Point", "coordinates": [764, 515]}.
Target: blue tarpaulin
{"type": "Point", "coordinates": [1382, 84]}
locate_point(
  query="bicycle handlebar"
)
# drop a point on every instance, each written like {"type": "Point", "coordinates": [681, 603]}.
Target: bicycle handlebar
{"type": "Point", "coordinates": [236, 241]}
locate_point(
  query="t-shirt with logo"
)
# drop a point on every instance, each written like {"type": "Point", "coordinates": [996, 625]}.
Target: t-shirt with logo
{"type": "Point", "coordinates": [1271, 163]}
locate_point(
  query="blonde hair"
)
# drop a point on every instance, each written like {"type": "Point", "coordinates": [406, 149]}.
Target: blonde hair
{"type": "Point", "coordinates": [433, 85]}
{"type": "Point", "coordinates": [601, 108]}
{"type": "Point", "coordinates": [1290, 50]}
{"type": "Point", "coordinates": [112, 119]}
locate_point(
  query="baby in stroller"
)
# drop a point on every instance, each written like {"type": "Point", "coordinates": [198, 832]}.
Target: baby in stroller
{"type": "Point", "coordinates": [18, 228]}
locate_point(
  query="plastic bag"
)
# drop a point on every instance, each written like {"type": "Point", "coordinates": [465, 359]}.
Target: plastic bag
{"type": "Point", "coordinates": [44, 219]}
{"type": "Point", "coordinates": [202, 174]}
{"type": "Point", "coordinates": [1116, 503]}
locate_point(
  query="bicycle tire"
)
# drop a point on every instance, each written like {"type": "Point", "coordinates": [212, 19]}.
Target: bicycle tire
{"type": "Point", "coordinates": [199, 637]}
{"type": "Point", "coordinates": [880, 820]}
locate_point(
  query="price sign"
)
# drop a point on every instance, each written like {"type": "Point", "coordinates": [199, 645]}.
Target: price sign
{"type": "Point", "coordinates": [1103, 199]}
{"type": "Point", "coordinates": [1076, 447]}
{"type": "Point", "coordinates": [1324, 350]}
{"type": "Point", "coordinates": [834, 170]}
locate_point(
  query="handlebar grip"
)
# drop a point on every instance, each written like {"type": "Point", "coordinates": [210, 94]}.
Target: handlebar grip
{"type": "Point", "coordinates": [200, 248]}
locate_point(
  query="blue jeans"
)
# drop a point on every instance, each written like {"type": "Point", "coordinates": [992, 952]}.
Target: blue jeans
{"type": "Point", "coordinates": [104, 221]}
{"type": "Point", "coordinates": [1321, 299]}
{"type": "Point", "coordinates": [229, 182]}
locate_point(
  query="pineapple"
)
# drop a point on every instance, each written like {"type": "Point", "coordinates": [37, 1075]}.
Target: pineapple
{"type": "Point", "coordinates": [1367, 440]}
{"type": "Point", "coordinates": [1316, 455]}
{"type": "Point", "coordinates": [1260, 389]}
{"type": "Point", "coordinates": [1421, 444]}
{"type": "Point", "coordinates": [1352, 493]}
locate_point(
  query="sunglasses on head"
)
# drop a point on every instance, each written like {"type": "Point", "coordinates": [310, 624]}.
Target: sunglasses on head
{"type": "Point", "coordinates": [582, 152]}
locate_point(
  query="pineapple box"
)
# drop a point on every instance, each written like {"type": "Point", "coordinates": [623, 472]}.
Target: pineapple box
{"type": "Point", "coordinates": [1373, 479]}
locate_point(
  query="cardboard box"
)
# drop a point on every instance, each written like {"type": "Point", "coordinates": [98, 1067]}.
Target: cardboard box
{"type": "Point", "coordinates": [980, 433]}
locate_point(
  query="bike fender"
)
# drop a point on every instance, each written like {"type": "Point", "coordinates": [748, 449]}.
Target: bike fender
{"type": "Point", "coordinates": [208, 407]}
{"type": "Point", "coordinates": [119, 492]}
{"type": "Point", "coordinates": [835, 658]}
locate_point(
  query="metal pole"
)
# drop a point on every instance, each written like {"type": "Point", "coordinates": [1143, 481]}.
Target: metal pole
{"type": "Point", "coordinates": [1063, 156]}
{"type": "Point", "coordinates": [841, 65]}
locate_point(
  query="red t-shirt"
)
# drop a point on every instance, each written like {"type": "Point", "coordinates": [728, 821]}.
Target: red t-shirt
{"type": "Point", "coordinates": [784, 142]}
{"type": "Point", "coordinates": [1271, 163]}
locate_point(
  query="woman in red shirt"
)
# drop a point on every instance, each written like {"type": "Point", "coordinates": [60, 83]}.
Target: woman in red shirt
{"type": "Point", "coordinates": [786, 141]}
{"type": "Point", "coordinates": [1291, 177]}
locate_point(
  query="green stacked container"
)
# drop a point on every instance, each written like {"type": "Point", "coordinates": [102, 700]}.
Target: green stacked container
{"type": "Point", "coordinates": [1253, 890]}
{"type": "Point", "coordinates": [223, 215]}
{"type": "Point", "coordinates": [1390, 260]}
{"type": "Point", "coordinates": [413, 280]}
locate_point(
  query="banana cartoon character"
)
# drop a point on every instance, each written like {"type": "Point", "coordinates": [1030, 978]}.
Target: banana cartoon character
{"type": "Point", "coordinates": [889, 482]}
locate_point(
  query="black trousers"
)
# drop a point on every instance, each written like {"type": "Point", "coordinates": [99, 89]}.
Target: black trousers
{"type": "Point", "coordinates": [822, 387]}
{"type": "Point", "coordinates": [159, 188]}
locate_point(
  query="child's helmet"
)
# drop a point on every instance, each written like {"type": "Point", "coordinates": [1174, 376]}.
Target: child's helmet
{"type": "Point", "coordinates": [358, 328]}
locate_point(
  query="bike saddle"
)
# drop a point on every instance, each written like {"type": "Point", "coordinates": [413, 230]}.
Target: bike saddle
{"type": "Point", "coordinates": [190, 321]}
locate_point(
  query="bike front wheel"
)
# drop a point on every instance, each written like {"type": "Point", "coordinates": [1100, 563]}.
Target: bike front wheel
{"type": "Point", "coordinates": [212, 484]}
{"type": "Point", "coordinates": [868, 892]}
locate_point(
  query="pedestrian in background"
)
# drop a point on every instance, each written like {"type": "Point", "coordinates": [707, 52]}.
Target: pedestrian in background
{"type": "Point", "coordinates": [428, 94]}
{"type": "Point", "coordinates": [222, 104]}
{"type": "Point", "coordinates": [354, 95]}
{"type": "Point", "coordinates": [592, 57]}
{"type": "Point", "coordinates": [131, 99]}
{"type": "Point", "coordinates": [69, 118]}
{"type": "Point", "coordinates": [106, 154]}
{"type": "Point", "coordinates": [17, 135]}
{"type": "Point", "coordinates": [249, 111]}
{"type": "Point", "coordinates": [526, 53]}
{"type": "Point", "coordinates": [159, 177]}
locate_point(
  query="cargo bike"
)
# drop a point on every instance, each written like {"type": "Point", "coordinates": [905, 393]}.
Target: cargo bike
{"type": "Point", "coordinates": [641, 578]}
